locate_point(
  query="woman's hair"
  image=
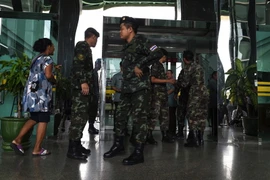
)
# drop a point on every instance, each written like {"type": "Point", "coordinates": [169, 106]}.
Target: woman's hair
{"type": "Point", "coordinates": [42, 44]}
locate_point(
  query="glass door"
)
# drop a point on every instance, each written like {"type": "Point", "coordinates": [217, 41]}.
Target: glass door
{"type": "Point", "coordinates": [17, 36]}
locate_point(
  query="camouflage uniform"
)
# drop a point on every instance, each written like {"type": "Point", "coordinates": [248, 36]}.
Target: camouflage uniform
{"type": "Point", "coordinates": [198, 97]}
{"type": "Point", "coordinates": [82, 71]}
{"type": "Point", "coordinates": [183, 100]}
{"type": "Point", "coordinates": [135, 94]}
{"type": "Point", "coordinates": [159, 99]}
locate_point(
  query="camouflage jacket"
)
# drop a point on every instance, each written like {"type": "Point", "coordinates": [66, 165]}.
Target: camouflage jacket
{"type": "Point", "coordinates": [158, 71]}
{"type": "Point", "coordinates": [193, 76]}
{"type": "Point", "coordinates": [82, 69]}
{"type": "Point", "coordinates": [139, 52]}
{"type": "Point", "coordinates": [184, 90]}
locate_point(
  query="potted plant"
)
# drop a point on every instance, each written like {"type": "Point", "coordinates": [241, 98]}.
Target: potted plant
{"type": "Point", "coordinates": [243, 92]}
{"type": "Point", "coordinates": [14, 74]}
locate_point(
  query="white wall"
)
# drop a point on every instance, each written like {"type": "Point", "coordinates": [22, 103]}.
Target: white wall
{"type": "Point", "coordinates": [153, 12]}
{"type": "Point", "coordinates": [91, 18]}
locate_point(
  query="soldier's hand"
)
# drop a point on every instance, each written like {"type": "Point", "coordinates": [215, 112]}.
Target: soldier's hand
{"type": "Point", "coordinates": [175, 96]}
{"type": "Point", "coordinates": [85, 89]}
{"type": "Point", "coordinates": [138, 72]}
{"type": "Point", "coordinates": [172, 81]}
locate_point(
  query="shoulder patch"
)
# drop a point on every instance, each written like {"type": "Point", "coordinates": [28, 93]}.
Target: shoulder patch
{"type": "Point", "coordinates": [154, 47]}
{"type": "Point", "coordinates": [80, 57]}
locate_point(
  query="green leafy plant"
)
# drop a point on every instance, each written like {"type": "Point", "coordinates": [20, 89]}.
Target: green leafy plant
{"type": "Point", "coordinates": [63, 89]}
{"type": "Point", "coordinates": [13, 75]}
{"type": "Point", "coordinates": [241, 86]}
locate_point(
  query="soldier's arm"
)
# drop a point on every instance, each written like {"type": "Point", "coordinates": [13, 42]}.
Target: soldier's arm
{"type": "Point", "coordinates": [152, 55]}
{"type": "Point", "coordinates": [184, 79]}
{"type": "Point", "coordinates": [158, 81]}
{"type": "Point", "coordinates": [80, 57]}
{"type": "Point", "coordinates": [154, 75]}
{"type": "Point", "coordinates": [199, 75]}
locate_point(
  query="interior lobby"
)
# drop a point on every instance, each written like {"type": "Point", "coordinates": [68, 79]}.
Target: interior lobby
{"type": "Point", "coordinates": [222, 34]}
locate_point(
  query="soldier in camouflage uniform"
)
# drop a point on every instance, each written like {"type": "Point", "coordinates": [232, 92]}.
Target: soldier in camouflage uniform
{"type": "Point", "coordinates": [193, 76]}
{"type": "Point", "coordinates": [159, 101]}
{"type": "Point", "coordinates": [81, 78]}
{"type": "Point", "coordinates": [135, 94]}
{"type": "Point", "coordinates": [182, 105]}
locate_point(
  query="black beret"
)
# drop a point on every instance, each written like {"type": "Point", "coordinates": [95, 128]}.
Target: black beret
{"type": "Point", "coordinates": [164, 52]}
{"type": "Point", "coordinates": [127, 19]}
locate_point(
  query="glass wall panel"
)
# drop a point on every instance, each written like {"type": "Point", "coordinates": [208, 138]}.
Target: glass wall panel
{"type": "Point", "coordinates": [112, 68]}
{"type": "Point", "coordinates": [17, 37]}
{"type": "Point", "coordinates": [242, 88]}
{"type": "Point", "coordinates": [263, 77]}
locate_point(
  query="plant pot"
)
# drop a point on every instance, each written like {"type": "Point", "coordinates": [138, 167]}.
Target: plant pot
{"type": "Point", "coordinates": [10, 127]}
{"type": "Point", "coordinates": [250, 126]}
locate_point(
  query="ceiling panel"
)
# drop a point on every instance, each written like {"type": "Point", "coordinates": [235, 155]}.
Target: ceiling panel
{"type": "Point", "coordinates": [175, 38]}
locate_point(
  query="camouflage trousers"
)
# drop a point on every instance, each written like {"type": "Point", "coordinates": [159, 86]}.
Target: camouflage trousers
{"type": "Point", "coordinates": [136, 105]}
{"type": "Point", "coordinates": [198, 119]}
{"type": "Point", "coordinates": [197, 109]}
{"type": "Point", "coordinates": [159, 111]}
{"type": "Point", "coordinates": [79, 114]}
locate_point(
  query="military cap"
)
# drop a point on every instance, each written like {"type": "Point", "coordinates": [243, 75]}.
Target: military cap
{"type": "Point", "coordinates": [127, 19]}
{"type": "Point", "coordinates": [164, 52]}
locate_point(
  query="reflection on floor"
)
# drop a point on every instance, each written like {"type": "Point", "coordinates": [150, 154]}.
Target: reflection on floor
{"type": "Point", "coordinates": [234, 157]}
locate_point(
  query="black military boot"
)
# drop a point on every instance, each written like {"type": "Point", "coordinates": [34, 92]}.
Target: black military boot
{"type": "Point", "coordinates": [74, 151]}
{"type": "Point", "coordinates": [200, 137]}
{"type": "Point", "coordinates": [117, 148]}
{"type": "Point", "coordinates": [137, 155]}
{"type": "Point", "coordinates": [84, 150]}
{"type": "Point", "coordinates": [92, 129]}
{"type": "Point", "coordinates": [166, 137]}
{"type": "Point", "coordinates": [192, 140]}
{"type": "Point", "coordinates": [150, 139]}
